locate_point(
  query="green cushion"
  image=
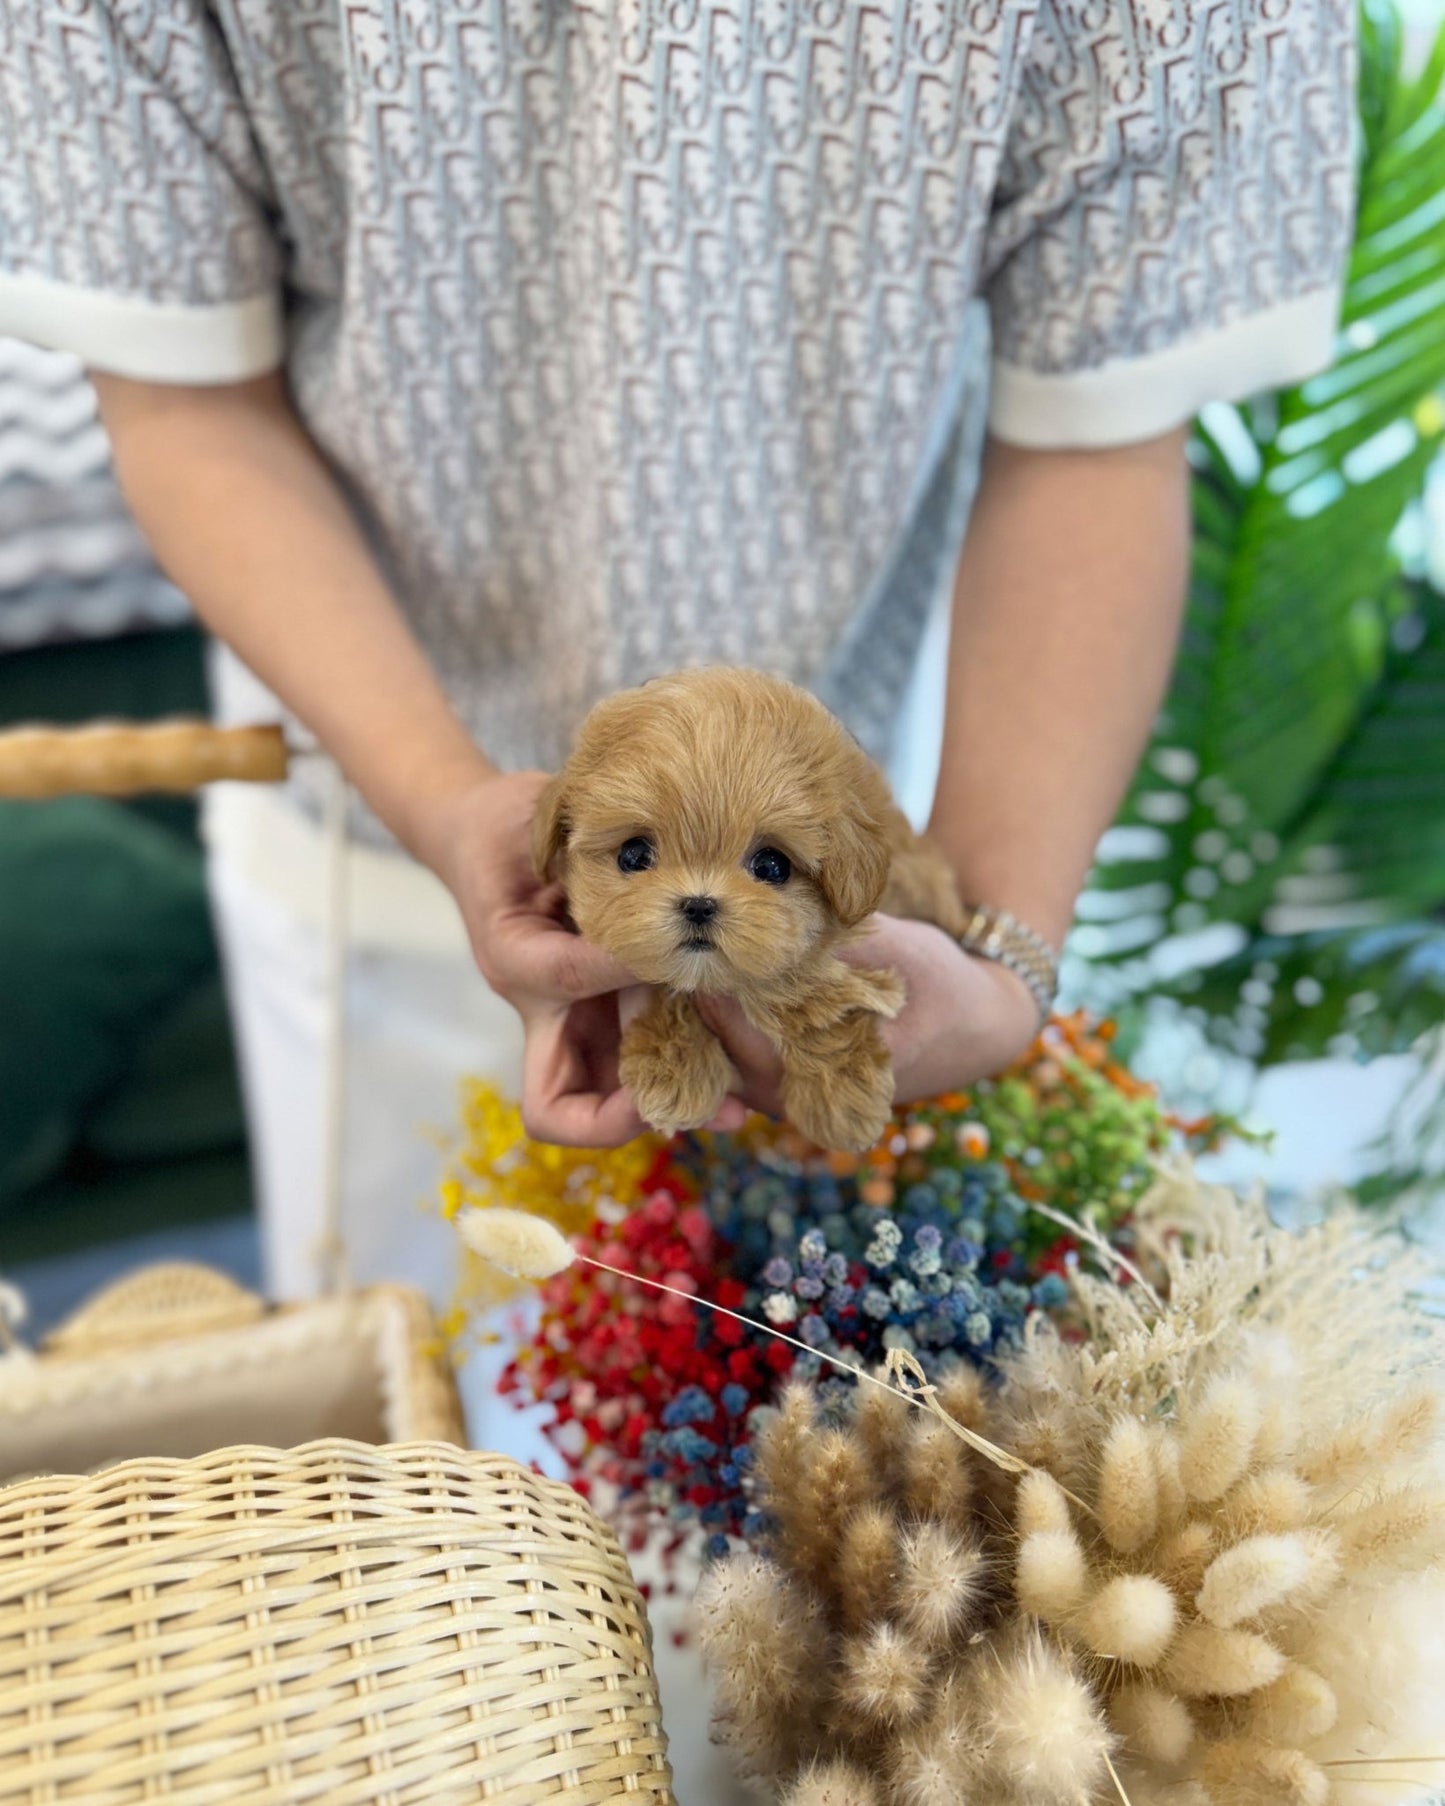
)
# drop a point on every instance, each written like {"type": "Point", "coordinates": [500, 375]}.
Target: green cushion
{"type": "Point", "coordinates": [89, 1203]}
{"type": "Point", "coordinates": [118, 1097]}
{"type": "Point", "coordinates": [180, 1097]}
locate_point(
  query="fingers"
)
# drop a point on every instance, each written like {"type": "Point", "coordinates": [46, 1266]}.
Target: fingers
{"type": "Point", "coordinates": [755, 1059]}
{"type": "Point", "coordinates": [632, 1002]}
{"type": "Point", "coordinates": [584, 1120]}
{"type": "Point", "coordinates": [546, 960]}
{"type": "Point", "coordinates": [733, 1114]}
{"type": "Point", "coordinates": [571, 1094]}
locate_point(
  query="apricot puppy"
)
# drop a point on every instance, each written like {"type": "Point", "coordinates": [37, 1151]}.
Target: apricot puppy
{"type": "Point", "coordinates": [719, 831]}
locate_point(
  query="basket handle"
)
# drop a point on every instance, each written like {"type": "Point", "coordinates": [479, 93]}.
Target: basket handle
{"type": "Point", "coordinates": [121, 760]}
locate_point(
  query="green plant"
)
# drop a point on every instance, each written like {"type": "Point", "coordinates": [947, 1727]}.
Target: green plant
{"type": "Point", "coordinates": [1279, 865]}
{"type": "Point", "coordinates": [1278, 869]}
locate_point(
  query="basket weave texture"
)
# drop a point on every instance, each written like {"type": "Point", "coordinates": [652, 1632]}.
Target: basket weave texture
{"type": "Point", "coordinates": [175, 1360]}
{"type": "Point", "coordinates": [335, 1622]}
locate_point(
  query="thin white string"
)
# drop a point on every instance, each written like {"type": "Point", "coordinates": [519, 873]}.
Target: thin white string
{"type": "Point", "coordinates": [331, 1250]}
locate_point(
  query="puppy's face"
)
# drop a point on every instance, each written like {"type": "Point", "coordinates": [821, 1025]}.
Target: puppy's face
{"type": "Point", "coordinates": [713, 829]}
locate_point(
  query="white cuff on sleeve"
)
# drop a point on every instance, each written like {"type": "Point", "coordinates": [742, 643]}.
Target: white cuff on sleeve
{"type": "Point", "coordinates": [1137, 398]}
{"type": "Point", "coordinates": [153, 341]}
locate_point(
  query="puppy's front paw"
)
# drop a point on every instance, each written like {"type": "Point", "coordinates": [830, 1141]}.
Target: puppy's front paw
{"type": "Point", "coordinates": [674, 1067]}
{"type": "Point", "coordinates": [838, 1088]}
{"type": "Point", "coordinates": [871, 988]}
{"type": "Point", "coordinates": [848, 1117]}
{"type": "Point", "coordinates": [674, 1094]}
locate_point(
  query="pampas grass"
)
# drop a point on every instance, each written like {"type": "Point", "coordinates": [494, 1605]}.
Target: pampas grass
{"type": "Point", "coordinates": [881, 1680]}
{"type": "Point", "coordinates": [833, 1784]}
{"type": "Point", "coordinates": [1047, 1738]}
{"type": "Point", "coordinates": [1214, 1582]}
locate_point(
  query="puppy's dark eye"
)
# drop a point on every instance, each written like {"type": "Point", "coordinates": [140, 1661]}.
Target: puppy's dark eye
{"type": "Point", "coordinates": [636, 855]}
{"type": "Point", "coordinates": [769, 866]}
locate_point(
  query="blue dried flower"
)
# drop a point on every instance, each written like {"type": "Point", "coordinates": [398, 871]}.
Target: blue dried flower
{"type": "Point", "coordinates": [887, 1239]}
{"type": "Point", "coordinates": [904, 1294]}
{"type": "Point", "coordinates": [936, 1330]}
{"type": "Point", "coordinates": [692, 1405]}
{"type": "Point", "coordinates": [687, 1445]}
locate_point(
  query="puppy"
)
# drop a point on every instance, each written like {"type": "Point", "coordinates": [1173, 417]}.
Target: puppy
{"type": "Point", "coordinates": [719, 831]}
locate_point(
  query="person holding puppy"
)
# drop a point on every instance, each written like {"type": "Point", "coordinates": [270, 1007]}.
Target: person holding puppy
{"type": "Point", "coordinates": [468, 360]}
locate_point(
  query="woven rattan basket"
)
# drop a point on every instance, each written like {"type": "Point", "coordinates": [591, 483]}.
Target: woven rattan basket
{"type": "Point", "coordinates": [334, 1623]}
{"type": "Point", "coordinates": [178, 1360]}
{"type": "Point", "coordinates": [193, 1618]}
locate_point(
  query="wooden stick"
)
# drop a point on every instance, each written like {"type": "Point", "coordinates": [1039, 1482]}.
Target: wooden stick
{"type": "Point", "coordinates": [118, 759]}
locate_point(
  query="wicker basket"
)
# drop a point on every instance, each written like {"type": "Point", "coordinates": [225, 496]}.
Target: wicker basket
{"type": "Point", "coordinates": [334, 1623]}
{"type": "Point", "coordinates": [178, 1360]}
{"type": "Point", "coordinates": [203, 1621]}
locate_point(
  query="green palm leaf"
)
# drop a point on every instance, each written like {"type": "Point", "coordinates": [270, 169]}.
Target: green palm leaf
{"type": "Point", "coordinates": [1355, 994]}
{"type": "Point", "coordinates": [1375, 830]}
{"type": "Point", "coordinates": [1303, 741]}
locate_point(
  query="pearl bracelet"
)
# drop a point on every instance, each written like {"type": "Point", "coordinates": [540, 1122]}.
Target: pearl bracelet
{"type": "Point", "coordinates": [994, 934]}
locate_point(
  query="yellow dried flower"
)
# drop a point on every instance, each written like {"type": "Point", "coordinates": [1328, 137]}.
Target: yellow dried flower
{"type": "Point", "coordinates": [495, 1164]}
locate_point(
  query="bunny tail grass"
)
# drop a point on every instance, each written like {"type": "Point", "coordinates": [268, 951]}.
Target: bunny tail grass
{"type": "Point", "coordinates": [520, 1244]}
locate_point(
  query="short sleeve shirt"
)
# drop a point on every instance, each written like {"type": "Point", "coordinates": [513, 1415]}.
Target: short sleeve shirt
{"type": "Point", "coordinates": [641, 332]}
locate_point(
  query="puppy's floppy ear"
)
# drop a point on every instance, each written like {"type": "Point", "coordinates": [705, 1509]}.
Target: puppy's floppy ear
{"type": "Point", "coordinates": [550, 828]}
{"type": "Point", "coordinates": [854, 872]}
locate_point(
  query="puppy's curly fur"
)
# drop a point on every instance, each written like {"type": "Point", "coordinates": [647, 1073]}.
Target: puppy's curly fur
{"type": "Point", "coordinates": [759, 837]}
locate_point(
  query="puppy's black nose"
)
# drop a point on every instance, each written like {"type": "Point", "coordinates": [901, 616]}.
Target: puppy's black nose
{"type": "Point", "coordinates": [698, 909]}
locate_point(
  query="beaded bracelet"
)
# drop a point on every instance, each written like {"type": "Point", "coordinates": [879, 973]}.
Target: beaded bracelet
{"type": "Point", "coordinates": [996, 935]}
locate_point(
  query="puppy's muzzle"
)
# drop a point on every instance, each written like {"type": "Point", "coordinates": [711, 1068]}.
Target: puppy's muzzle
{"type": "Point", "coordinates": [699, 915]}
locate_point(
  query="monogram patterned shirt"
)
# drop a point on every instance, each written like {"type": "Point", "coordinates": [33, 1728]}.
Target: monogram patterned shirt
{"type": "Point", "coordinates": [643, 332]}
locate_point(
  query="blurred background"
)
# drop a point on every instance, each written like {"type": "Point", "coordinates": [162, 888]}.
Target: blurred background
{"type": "Point", "coordinates": [1266, 922]}
{"type": "Point", "coordinates": [121, 1128]}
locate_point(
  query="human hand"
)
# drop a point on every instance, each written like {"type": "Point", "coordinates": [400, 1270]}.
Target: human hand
{"type": "Point", "coordinates": [573, 998]}
{"type": "Point", "coordinates": [965, 1018]}
{"type": "Point", "coordinates": [479, 842]}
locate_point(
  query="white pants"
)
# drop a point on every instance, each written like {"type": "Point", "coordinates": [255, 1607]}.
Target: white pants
{"type": "Point", "coordinates": [419, 1018]}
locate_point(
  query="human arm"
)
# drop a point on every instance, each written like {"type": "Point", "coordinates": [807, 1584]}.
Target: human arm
{"type": "Point", "coordinates": [1065, 617]}
{"type": "Point", "coordinates": [244, 514]}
